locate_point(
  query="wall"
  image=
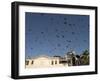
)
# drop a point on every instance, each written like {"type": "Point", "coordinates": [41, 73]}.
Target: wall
{"type": "Point", "coordinates": [5, 41]}
{"type": "Point", "coordinates": [44, 62]}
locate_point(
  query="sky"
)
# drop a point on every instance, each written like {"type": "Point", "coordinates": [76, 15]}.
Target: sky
{"type": "Point", "coordinates": [55, 34]}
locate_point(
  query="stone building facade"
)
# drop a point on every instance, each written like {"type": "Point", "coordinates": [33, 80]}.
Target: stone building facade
{"type": "Point", "coordinates": [70, 59]}
{"type": "Point", "coordinates": [45, 61]}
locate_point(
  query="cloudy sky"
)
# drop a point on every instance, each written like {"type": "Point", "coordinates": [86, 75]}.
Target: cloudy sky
{"type": "Point", "coordinates": [55, 34]}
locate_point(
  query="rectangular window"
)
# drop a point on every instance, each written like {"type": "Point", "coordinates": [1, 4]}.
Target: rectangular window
{"type": "Point", "coordinates": [52, 63]}
{"type": "Point", "coordinates": [27, 62]}
{"type": "Point", "coordinates": [32, 62]}
{"type": "Point", "coordinates": [55, 62]}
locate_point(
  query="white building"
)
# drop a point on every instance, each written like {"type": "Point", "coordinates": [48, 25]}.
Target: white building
{"type": "Point", "coordinates": [45, 61]}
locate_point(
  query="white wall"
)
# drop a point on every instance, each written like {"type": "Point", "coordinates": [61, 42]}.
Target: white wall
{"type": "Point", "coordinates": [5, 40]}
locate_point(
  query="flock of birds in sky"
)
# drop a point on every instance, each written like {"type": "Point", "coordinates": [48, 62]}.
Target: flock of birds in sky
{"type": "Point", "coordinates": [61, 34]}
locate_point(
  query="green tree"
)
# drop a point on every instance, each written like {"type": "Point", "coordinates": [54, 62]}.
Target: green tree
{"type": "Point", "coordinates": [85, 58]}
{"type": "Point", "coordinates": [86, 52]}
